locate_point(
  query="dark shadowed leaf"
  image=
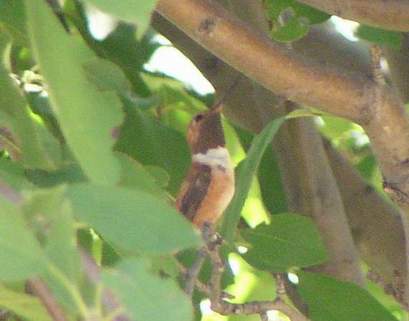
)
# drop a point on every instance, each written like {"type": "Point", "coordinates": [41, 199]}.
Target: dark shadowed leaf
{"type": "Point", "coordinates": [146, 296]}
{"type": "Point", "coordinates": [138, 12]}
{"type": "Point", "coordinates": [132, 220]}
{"type": "Point", "coordinates": [290, 240]}
{"type": "Point", "coordinates": [152, 143]}
{"type": "Point", "coordinates": [330, 299]}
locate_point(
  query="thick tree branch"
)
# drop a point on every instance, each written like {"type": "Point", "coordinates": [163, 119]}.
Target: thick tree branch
{"type": "Point", "coordinates": [282, 71]}
{"type": "Point", "coordinates": [376, 225]}
{"type": "Point", "coordinates": [353, 96]}
{"type": "Point", "coordinates": [391, 14]}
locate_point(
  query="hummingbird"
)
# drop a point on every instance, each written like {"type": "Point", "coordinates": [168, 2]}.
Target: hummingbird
{"type": "Point", "coordinates": [209, 185]}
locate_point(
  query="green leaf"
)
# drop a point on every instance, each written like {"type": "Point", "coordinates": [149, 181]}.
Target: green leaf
{"type": "Point", "coordinates": [20, 254]}
{"type": "Point", "coordinates": [16, 116]}
{"type": "Point", "coordinates": [122, 48]}
{"type": "Point", "coordinates": [86, 115]}
{"type": "Point", "coordinates": [290, 240]}
{"type": "Point", "coordinates": [145, 295]}
{"type": "Point", "coordinates": [13, 175]}
{"type": "Point", "coordinates": [293, 29]}
{"type": "Point", "coordinates": [12, 19]}
{"type": "Point", "coordinates": [138, 12]}
{"type": "Point", "coordinates": [132, 220]}
{"type": "Point", "coordinates": [66, 174]}
{"type": "Point", "coordinates": [25, 306]}
{"type": "Point", "coordinates": [330, 299]}
{"type": "Point", "coordinates": [134, 175]}
{"type": "Point", "coordinates": [379, 36]}
{"type": "Point", "coordinates": [296, 21]}
{"type": "Point", "coordinates": [151, 143]}
{"type": "Point", "coordinates": [50, 216]}
{"type": "Point", "coordinates": [276, 7]}
{"type": "Point", "coordinates": [245, 175]}
{"type": "Point", "coordinates": [106, 76]}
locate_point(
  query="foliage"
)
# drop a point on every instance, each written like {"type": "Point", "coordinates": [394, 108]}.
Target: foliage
{"type": "Point", "coordinates": [93, 152]}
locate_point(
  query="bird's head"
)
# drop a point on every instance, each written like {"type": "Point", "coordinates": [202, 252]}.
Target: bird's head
{"type": "Point", "coordinates": [205, 131]}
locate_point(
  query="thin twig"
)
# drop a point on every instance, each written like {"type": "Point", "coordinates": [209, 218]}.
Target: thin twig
{"type": "Point", "coordinates": [41, 290]}
{"type": "Point", "coordinates": [109, 301]}
{"type": "Point", "coordinates": [192, 273]}
{"type": "Point", "coordinates": [226, 308]}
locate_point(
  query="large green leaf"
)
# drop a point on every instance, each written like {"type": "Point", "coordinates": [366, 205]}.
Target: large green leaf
{"type": "Point", "coordinates": [135, 175]}
{"type": "Point", "coordinates": [20, 254]}
{"type": "Point", "coordinates": [12, 174]}
{"type": "Point", "coordinates": [15, 116]}
{"type": "Point", "coordinates": [50, 217]}
{"type": "Point", "coordinates": [290, 240]}
{"type": "Point", "coordinates": [87, 116]}
{"type": "Point", "coordinates": [152, 143]}
{"type": "Point", "coordinates": [248, 169]}
{"type": "Point", "coordinates": [12, 20]}
{"type": "Point", "coordinates": [330, 299]}
{"type": "Point", "coordinates": [24, 305]}
{"type": "Point", "coordinates": [138, 12]}
{"type": "Point", "coordinates": [132, 220]}
{"type": "Point", "coordinates": [145, 295]}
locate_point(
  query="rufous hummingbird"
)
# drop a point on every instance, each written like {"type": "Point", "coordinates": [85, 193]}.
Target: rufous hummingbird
{"type": "Point", "coordinates": [209, 185]}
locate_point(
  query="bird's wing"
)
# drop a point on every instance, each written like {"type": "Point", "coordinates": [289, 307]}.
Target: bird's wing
{"type": "Point", "coordinates": [194, 190]}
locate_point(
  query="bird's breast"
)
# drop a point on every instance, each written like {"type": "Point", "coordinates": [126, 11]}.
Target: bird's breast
{"type": "Point", "coordinates": [220, 187]}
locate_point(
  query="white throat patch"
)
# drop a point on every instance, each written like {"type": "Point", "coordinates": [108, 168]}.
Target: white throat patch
{"type": "Point", "coordinates": [214, 157]}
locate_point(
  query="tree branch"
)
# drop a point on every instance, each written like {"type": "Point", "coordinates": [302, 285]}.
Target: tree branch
{"type": "Point", "coordinates": [349, 95]}
{"type": "Point", "coordinates": [282, 71]}
{"type": "Point", "coordinates": [370, 216]}
{"type": "Point", "coordinates": [310, 163]}
{"type": "Point", "coordinates": [223, 307]}
{"type": "Point", "coordinates": [391, 14]}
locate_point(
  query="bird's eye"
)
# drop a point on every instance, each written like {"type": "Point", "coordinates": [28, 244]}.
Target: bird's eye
{"type": "Point", "coordinates": [198, 117]}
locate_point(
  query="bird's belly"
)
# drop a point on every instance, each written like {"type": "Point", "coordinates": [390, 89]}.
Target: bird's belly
{"type": "Point", "coordinates": [218, 197]}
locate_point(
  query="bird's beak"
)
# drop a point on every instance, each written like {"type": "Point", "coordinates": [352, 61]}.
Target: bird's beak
{"type": "Point", "coordinates": [217, 108]}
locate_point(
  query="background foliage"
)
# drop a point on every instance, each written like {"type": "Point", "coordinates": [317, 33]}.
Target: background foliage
{"type": "Point", "coordinates": [93, 153]}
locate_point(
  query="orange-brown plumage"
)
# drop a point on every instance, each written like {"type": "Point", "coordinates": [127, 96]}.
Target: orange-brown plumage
{"type": "Point", "coordinates": [209, 184]}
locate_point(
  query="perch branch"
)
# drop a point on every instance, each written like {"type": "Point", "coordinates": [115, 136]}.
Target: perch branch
{"type": "Point", "coordinates": [191, 274]}
{"type": "Point", "coordinates": [391, 14]}
{"type": "Point", "coordinates": [226, 308]}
